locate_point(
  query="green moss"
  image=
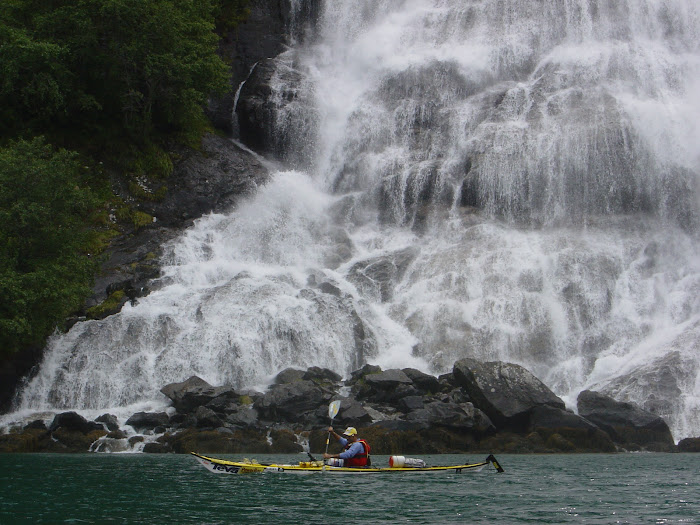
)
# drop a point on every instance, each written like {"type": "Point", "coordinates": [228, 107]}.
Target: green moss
{"type": "Point", "coordinates": [245, 400]}
{"type": "Point", "coordinates": [106, 307]}
{"type": "Point", "coordinates": [141, 219]}
{"type": "Point", "coordinates": [99, 240]}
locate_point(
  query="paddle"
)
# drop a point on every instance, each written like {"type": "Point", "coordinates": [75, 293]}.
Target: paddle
{"type": "Point", "coordinates": [332, 412]}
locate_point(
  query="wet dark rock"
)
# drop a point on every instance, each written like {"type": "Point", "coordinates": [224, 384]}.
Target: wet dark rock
{"type": "Point", "coordinates": [211, 441]}
{"type": "Point", "coordinates": [626, 423]}
{"type": "Point", "coordinates": [581, 433]}
{"type": "Point", "coordinates": [194, 392]}
{"type": "Point", "coordinates": [462, 418]}
{"type": "Point", "coordinates": [110, 421]}
{"type": "Point", "coordinates": [76, 440]}
{"type": "Point", "coordinates": [284, 442]}
{"type": "Point", "coordinates": [148, 420]}
{"type": "Point", "coordinates": [410, 403]}
{"type": "Point", "coordinates": [157, 448]}
{"type": "Point", "coordinates": [292, 402]}
{"type": "Point", "coordinates": [352, 413]}
{"type": "Point", "coordinates": [384, 387]}
{"type": "Point", "coordinates": [426, 383]}
{"type": "Point", "coordinates": [402, 425]}
{"type": "Point", "coordinates": [689, 445]}
{"type": "Point", "coordinates": [73, 422]}
{"type": "Point", "coordinates": [360, 373]}
{"type": "Point", "coordinates": [506, 392]}
{"type": "Point", "coordinates": [37, 424]}
{"type": "Point", "coordinates": [246, 417]}
{"type": "Point", "coordinates": [289, 375]}
{"type": "Point", "coordinates": [206, 418]}
{"type": "Point", "coordinates": [133, 440]}
{"type": "Point", "coordinates": [321, 375]}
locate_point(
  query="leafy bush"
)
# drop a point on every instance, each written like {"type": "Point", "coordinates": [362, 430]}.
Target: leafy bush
{"type": "Point", "coordinates": [109, 67]}
{"type": "Point", "coordinates": [44, 208]}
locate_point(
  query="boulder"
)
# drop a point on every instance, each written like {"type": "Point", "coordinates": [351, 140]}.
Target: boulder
{"type": "Point", "coordinates": [110, 421]}
{"type": "Point", "coordinates": [549, 421]}
{"type": "Point", "coordinates": [294, 402]}
{"type": "Point", "coordinates": [351, 413]}
{"type": "Point", "coordinates": [206, 418]}
{"type": "Point", "coordinates": [425, 383]}
{"type": "Point", "coordinates": [321, 375]}
{"type": "Point", "coordinates": [289, 375]}
{"type": "Point", "coordinates": [193, 392]}
{"type": "Point", "coordinates": [626, 423]}
{"type": "Point", "coordinates": [506, 392]}
{"type": "Point", "coordinates": [385, 387]}
{"type": "Point", "coordinates": [689, 445]}
{"type": "Point", "coordinates": [157, 448]}
{"type": "Point", "coordinates": [74, 422]}
{"type": "Point", "coordinates": [410, 403]}
{"type": "Point", "coordinates": [462, 418]}
{"type": "Point", "coordinates": [147, 420]}
{"type": "Point", "coordinates": [37, 424]}
{"type": "Point", "coordinates": [246, 417]}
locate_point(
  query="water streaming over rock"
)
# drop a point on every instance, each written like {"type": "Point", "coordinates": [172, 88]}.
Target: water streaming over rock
{"type": "Point", "coordinates": [509, 180]}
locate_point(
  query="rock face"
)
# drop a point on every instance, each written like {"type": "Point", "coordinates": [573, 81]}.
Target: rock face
{"type": "Point", "coordinates": [269, 28]}
{"type": "Point", "coordinates": [506, 392]}
{"type": "Point", "coordinates": [628, 425]}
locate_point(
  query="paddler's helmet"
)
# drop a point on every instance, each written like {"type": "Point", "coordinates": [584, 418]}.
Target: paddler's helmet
{"type": "Point", "coordinates": [350, 431]}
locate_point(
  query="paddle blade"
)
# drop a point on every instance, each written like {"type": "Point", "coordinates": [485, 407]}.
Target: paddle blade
{"type": "Point", "coordinates": [333, 408]}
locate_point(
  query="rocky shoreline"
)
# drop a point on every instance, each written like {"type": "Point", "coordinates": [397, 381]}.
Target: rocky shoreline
{"type": "Point", "coordinates": [478, 407]}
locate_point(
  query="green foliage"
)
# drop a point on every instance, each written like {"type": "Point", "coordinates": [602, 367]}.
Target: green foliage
{"type": "Point", "coordinates": [231, 13]}
{"type": "Point", "coordinates": [112, 67]}
{"type": "Point", "coordinates": [44, 206]}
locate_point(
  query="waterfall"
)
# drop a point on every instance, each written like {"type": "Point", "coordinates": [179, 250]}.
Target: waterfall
{"type": "Point", "coordinates": [509, 180]}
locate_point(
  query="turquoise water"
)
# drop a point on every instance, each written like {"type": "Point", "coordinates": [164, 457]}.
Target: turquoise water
{"type": "Point", "coordinates": [141, 488]}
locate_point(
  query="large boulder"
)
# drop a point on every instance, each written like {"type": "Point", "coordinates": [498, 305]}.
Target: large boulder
{"type": "Point", "coordinates": [425, 383]}
{"type": "Point", "coordinates": [388, 386]}
{"type": "Point", "coordinates": [554, 425]}
{"type": "Point", "coordinates": [626, 423]}
{"type": "Point", "coordinates": [506, 392]}
{"type": "Point", "coordinates": [351, 413]}
{"type": "Point", "coordinates": [141, 421]}
{"type": "Point", "coordinates": [459, 417]}
{"type": "Point", "coordinates": [192, 393]}
{"type": "Point", "coordinates": [689, 445]}
{"type": "Point", "coordinates": [293, 402]}
{"type": "Point", "coordinates": [72, 421]}
{"type": "Point", "coordinates": [289, 375]}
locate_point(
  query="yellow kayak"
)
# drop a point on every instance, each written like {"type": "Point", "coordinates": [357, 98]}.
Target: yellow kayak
{"type": "Point", "coordinates": [222, 466]}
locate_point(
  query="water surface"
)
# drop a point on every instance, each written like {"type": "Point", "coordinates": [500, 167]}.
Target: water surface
{"type": "Point", "coordinates": [141, 488]}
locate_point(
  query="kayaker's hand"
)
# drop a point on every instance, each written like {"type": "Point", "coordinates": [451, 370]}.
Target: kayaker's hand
{"type": "Point", "coordinates": [326, 455]}
{"type": "Point", "coordinates": [330, 429]}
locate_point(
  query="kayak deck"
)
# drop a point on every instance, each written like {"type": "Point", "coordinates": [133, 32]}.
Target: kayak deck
{"type": "Point", "coordinates": [222, 466]}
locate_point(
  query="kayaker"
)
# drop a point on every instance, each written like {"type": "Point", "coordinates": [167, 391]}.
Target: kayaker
{"type": "Point", "coordinates": [356, 453]}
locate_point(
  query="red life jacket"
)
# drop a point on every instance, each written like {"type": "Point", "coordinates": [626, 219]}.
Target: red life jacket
{"type": "Point", "coordinates": [358, 460]}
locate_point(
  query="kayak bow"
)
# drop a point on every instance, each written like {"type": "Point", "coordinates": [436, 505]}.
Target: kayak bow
{"type": "Point", "coordinates": [222, 466]}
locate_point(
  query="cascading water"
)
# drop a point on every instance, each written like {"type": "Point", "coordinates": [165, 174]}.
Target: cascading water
{"type": "Point", "coordinates": [508, 180]}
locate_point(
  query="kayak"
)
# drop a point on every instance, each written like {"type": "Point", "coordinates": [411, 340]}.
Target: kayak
{"type": "Point", "coordinates": [222, 466]}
